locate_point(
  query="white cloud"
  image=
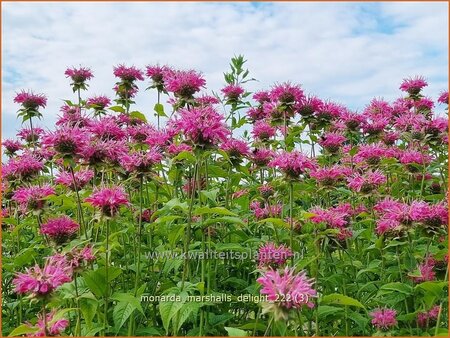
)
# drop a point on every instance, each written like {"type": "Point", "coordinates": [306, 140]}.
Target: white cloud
{"type": "Point", "coordinates": [348, 52]}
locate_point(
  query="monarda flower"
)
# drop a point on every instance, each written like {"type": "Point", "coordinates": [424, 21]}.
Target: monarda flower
{"type": "Point", "coordinates": [29, 135]}
{"type": "Point", "coordinates": [98, 103]}
{"type": "Point", "coordinates": [373, 153]}
{"type": "Point", "coordinates": [174, 149]}
{"type": "Point", "coordinates": [11, 146]}
{"type": "Point", "coordinates": [141, 161]}
{"type": "Point", "coordinates": [327, 111]}
{"type": "Point", "coordinates": [431, 216]}
{"type": "Point", "coordinates": [22, 167]}
{"type": "Point", "coordinates": [384, 319]}
{"type": "Point", "coordinates": [330, 176]}
{"type": "Point", "coordinates": [309, 105]}
{"type": "Point", "coordinates": [262, 96]}
{"type": "Point", "coordinates": [128, 74]}
{"type": "Point", "coordinates": [107, 128]}
{"type": "Point", "coordinates": [203, 126]}
{"type": "Point", "coordinates": [426, 271]}
{"type": "Point", "coordinates": [206, 100]}
{"type": "Point", "coordinates": [270, 255]}
{"type": "Point", "coordinates": [156, 74]}
{"type": "Point", "coordinates": [256, 114]}
{"type": "Point", "coordinates": [261, 157]}
{"type": "Point", "coordinates": [336, 218]}
{"type": "Point", "coordinates": [414, 159]}
{"type": "Point", "coordinates": [108, 200]}
{"type": "Point", "coordinates": [72, 118]}
{"type": "Point", "coordinates": [79, 75]}
{"type": "Point", "coordinates": [443, 98]}
{"type": "Point", "coordinates": [31, 101]}
{"type": "Point", "coordinates": [428, 317]}
{"type": "Point", "coordinates": [66, 141]}
{"type": "Point", "coordinates": [286, 93]}
{"type": "Point", "coordinates": [53, 328]}
{"type": "Point", "coordinates": [232, 92]}
{"type": "Point", "coordinates": [265, 210]}
{"type": "Point", "coordinates": [74, 260]}
{"type": "Point", "coordinates": [413, 86]}
{"type": "Point", "coordinates": [351, 119]}
{"type": "Point", "coordinates": [292, 164]}
{"type": "Point", "coordinates": [60, 229]}
{"type": "Point", "coordinates": [263, 130]}
{"type": "Point", "coordinates": [367, 182]}
{"type": "Point", "coordinates": [286, 290]}
{"type": "Point", "coordinates": [140, 132]}
{"type": "Point", "coordinates": [183, 83]}
{"type": "Point", "coordinates": [266, 191]}
{"type": "Point", "coordinates": [40, 282]}
{"type": "Point", "coordinates": [82, 177]}
{"type": "Point", "coordinates": [332, 142]}
{"type": "Point", "coordinates": [32, 198]}
{"type": "Point", "coordinates": [236, 149]}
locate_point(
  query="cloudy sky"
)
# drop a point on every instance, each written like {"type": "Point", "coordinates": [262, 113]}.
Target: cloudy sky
{"type": "Point", "coordinates": [347, 52]}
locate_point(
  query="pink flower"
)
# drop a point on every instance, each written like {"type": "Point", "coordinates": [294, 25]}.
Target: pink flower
{"type": "Point", "coordinates": [413, 158]}
{"type": "Point", "coordinates": [232, 92]}
{"type": "Point", "coordinates": [292, 164]}
{"type": "Point", "coordinates": [206, 100]}
{"type": "Point", "coordinates": [107, 128]}
{"type": "Point", "coordinates": [183, 83]}
{"type": "Point", "coordinates": [22, 167]}
{"type": "Point", "coordinates": [79, 75]}
{"type": "Point", "coordinates": [54, 327]}
{"type": "Point", "coordinates": [73, 261]}
{"type": "Point", "coordinates": [100, 151]}
{"type": "Point", "coordinates": [29, 100]}
{"type": "Point", "coordinates": [82, 177]}
{"type": "Point", "coordinates": [235, 148]}
{"type": "Point", "coordinates": [351, 119]}
{"type": "Point", "coordinates": [373, 153]}
{"type": "Point", "coordinates": [60, 229]}
{"type": "Point", "coordinates": [156, 74]}
{"type": "Point", "coordinates": [32, 197]}
{"type": "Point", "coordinates": [175, 149]}
{"type": "Point", "coordinates": [428, 317]}
{"type": "Point", "coordinates": [125, 93]}
{"type": "Point", "coordinates": [309, 105]}
{"type": "Point", "coordinates": [239, 193]}
{"type": "Point", "coordinates": [261, 96]}
{"type": "Point", "coordinates": [337, 217]}
{"type": "Point", "coordinates": [332, 141]}
{"type": "Point", "coordinates": [273, 256]}
{"type": "Point", "coordinates": [66, 140]}
{"type": "Point", "coordinates": [426, 269]}
{"type": "Point", "coordinates": [266, 191]}
{"type": "Point", "coordinates": [286, 93]}
{"type": "Point", "coordinates": [39, 282]}
{"type": "Point", "coordinates": [128, 74]}
{"type": "Point", "coordinates": [108, 200]}
{"type": "Point", "coordinates": [256, 114]}
{"type": "Point", "coordinates": [72, 118]}
{"type": "Point", "coordinates": [202, 126]}
{"type": "Point", "coordinates": [329, 176]}
{"type": "Point", "coordinates": [30, 136]}
{"type": "Point", "coordinates": [413, 85]}
{"type": "Point", "coordinates": [265, 210]}
{"type": "Point", "coordinates": [328, 111]}
{"type": "Point", "coordinates": [140, 161]}
{"type": "Point", "coordinates": [262, 156]}
{"type": "Point", "coordinates": [263, 131]}
{"type": "Point", "coordinates": [366, 183]}
{"type": "Point", "coordinates": [286, 290]}
{"type": "Point", "coordinates": [424, 104]}
{"type": "Point", "coordinates": [98, 103]}
{"type": "Point", "coordinates": [443, 98]}
{"type": "Point", "coordinates": [12, 146]}
{"type": "Point", "coordinates": [384, 319]}
{"type": "Point", "coordinates": [159, 138]}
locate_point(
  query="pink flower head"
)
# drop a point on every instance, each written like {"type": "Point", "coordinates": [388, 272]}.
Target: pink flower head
{"type": "Point", "coordinates": [202, 126]}
{"type": "Point", "coordinates": [108, 200]}
{"type": "Point", "coordinates": [74, 260]}
{"type": "Point", "coordinates": [265, 210]}
{"type": "Point", "coordinates": [79, 75]}
{"type": "Point", "coordinates": [159, 138]}
{"type": "Point", "coordinates": [29, 100]}
{"type": "Point", "coordinates": [107, 128]}
{"type": "Point", "coordinates": [235, 148]}
{"type": "Point", "coordinates": [98, 103]}
{"type": "Point", "coordinates": [328, 111]}
{"type": "Point", "coordinates": [424, 104]}
{"type": "Point", "coordinates": [412, 158]}
{"type": "Point", "coordinates": [12, 146]}
{"type": "Point", "coordinates": [30, 136]}
{"type": "Point", "coordinates": [82, 177]}
{"type": "Point", "coordinates": [262, 156]}
{"type": "Point", "coordinates": [426, 269]}
{"type": "Point", "coordinates": [183, 83]}
{"type": "Point", "coordinates": [39, 282]}
{"type": "Point", "coordinates": [384, 319]}
{"type": "Point", "coordinates": [72, 118]}
{"type": "Point", "coordinates": [443, 98]}
{"type": "Point", "coordinates": [206, 100]}
{"type": "Point", "coordinates": [292, 164]}
{"type": "Point", "coordinates": [286, 290]}
{"type": "Point", "coordinates": [54, 327]}
{"type": "Point", "coordinates": [261, 96]}
{"type": "Point", "coordinates": [100, 151]}
{"type": "Point", "coordinates": [32, 197]}
{"type": "Point", "coordinates": [22, 167]}
{"type": "Point", "coordinates": [332, 141]}
{"type": "Point", "coordinates": [156, 74]}
{"type": "Point", "coordinates": [256, 114]}
{"type": "Point", "coordinates": [270, 255]}
{"type": "Point", "coordinates": [263, 131]}
{"type": "Point", "coordinates": [351, 119]}
{"type": "Point", "coordinates": [60, 229]}
{"type": "Point", "coordinates": [286, 93]}
{"type": "Point", "coordinates": [239, 193]}
{"type": "Point", "coordinates": [140, 161]}
{"type": "Point", "coordinates": [329, 176]}
{"type": "Point", "coordinates": [266, 191]}
{"type": "Point", "coordinates": [128, 74]}
{"type": "Point", "coordinates": [232, 92]}
{"type": "Point", "coordinates": [367, 182]}
{"type": "Point", "coordinates": [373, 153]}
{"type": "Point", "coordinates": [66, 140]}
{"type": "Point", "coordinates": [175, 149]}
{"type": "Point", "coordinates": [413, 85]}
{"type": "Point", "coordinates": [337, 217]}
{"type": "Point", "coordinates": [428, 317]}
{"type": "Point", "coordinates": [309, 105]}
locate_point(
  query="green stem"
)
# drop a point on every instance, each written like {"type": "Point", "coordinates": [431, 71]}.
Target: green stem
{"type": "Point", "coordinates": [107, 277]}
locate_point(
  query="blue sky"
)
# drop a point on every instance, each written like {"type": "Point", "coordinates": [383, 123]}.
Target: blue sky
{"type": "Point", "coordinates": [347, 52]}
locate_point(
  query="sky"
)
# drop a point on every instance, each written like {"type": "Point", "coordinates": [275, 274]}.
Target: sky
{"type": "Point", "coordinates": [346, 52]}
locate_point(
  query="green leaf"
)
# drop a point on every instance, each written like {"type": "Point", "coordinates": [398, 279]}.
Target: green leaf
{"type": "Point", "coordinates": [128, 298]}
{"type": "Point", "coordinates": [122, 311]}
{"type": "Point", "coordinates": [340, 299]}
{"type": "Point", "coordinates": [168, 310]}
{"type": "Point", "coordinates": [22, 329]}
{"type": "Point", "coordinates": [138, 115]}
{"type": "Point", "coordinates": [88, 309]}
{"type": "Point", "coordinates": [159, 109]}
{"type": "Point", "coordinates": [398, 287]}
{"type": "Point", "coordinates": [215, 210]}
{"type": "Point", "coordinates": [235, 332]}
{"type": "Point", "coordinates": [326, 310]}
{"type": "Point", "coordinates": [186, 311]}
{"type": "Point", "coordinates": [432, 288]}
{"type": "Point", "coordinates": [117, 109]}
